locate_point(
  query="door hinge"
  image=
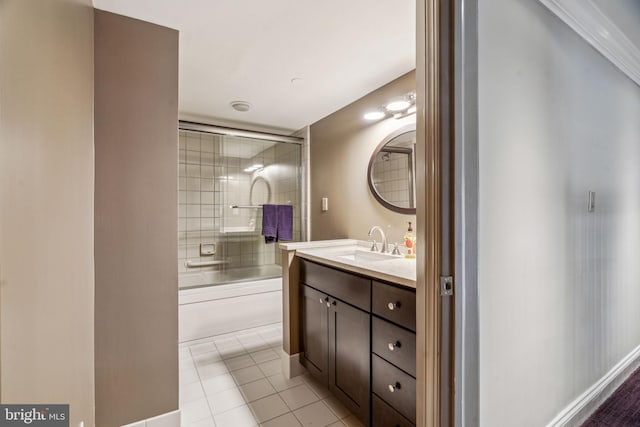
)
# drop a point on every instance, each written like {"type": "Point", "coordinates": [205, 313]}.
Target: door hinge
{"type": "Point", "coordinates": [446, 286]}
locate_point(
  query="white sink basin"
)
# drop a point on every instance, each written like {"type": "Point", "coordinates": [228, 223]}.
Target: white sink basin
{"type": "Point", "coordinates": [363, 255]}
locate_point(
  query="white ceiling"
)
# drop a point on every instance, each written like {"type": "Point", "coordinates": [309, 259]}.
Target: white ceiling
{"type": "Point", "coordinates": [250, 50]}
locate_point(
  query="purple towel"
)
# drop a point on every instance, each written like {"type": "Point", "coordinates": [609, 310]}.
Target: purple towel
{"type": "Point", "coordinates": [277, 223]}
{"type": "Point", "coordinates": [270, 223]}
{"type": "Point", "coordinates": [285, 222]}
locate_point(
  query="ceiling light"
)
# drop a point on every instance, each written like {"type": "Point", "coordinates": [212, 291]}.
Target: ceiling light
{"type": "Point", "coordinates": [374, 115]}
{"type": "Point", "coordinates": [398, 105]}
{"type": "Point", "coordinates": [242, 106]}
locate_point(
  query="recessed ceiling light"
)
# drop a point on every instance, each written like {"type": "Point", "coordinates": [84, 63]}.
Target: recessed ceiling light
{"type": "Point", "coordinates": [398, 105]}
{"type": "Point", "coordinates": [242, 106]}
{"type": "Point", "coordinates": [374, 115]}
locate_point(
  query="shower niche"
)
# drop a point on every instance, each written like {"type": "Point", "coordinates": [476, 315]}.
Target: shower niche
{"type": "Point", "coordinates": [223, 182]}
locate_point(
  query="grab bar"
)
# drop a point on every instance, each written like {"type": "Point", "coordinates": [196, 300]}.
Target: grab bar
{"type": "Point", "coordinates": [194, 264]}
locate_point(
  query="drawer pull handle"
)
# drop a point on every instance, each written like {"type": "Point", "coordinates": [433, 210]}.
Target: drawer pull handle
{"type": "Point", "coordinates": [392, 346]}
{"type": "Point", "coordinates": [394, 387]}
{"type": "Point", "coordinates": [393, 305]}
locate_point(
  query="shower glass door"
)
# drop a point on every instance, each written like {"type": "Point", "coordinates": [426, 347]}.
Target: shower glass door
{"type": "Point", "coordinates": [223, 182]}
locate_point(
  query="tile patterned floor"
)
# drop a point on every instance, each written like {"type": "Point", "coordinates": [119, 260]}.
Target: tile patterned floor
{"type": "Point", "coordinates": [236, 380]}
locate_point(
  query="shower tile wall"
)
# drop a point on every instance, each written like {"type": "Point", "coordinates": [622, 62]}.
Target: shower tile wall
{"type": "Point", "coordinates": [212, 178]}
{"type": "Point", "coordinates": [391, 175]}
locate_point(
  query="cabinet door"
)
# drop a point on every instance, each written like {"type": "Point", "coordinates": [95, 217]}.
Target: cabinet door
{"type": "Point", "coordinates": [315, 332]}
{"type": "Point", "coordinates": [349, 357]}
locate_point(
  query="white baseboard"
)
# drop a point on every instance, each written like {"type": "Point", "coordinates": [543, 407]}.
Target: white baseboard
{"type": "Point", "coordinates": [580, 409]}
{"type": "Point", "coordinates": [291, 366]}
{"type": "Point", "coordinates": [170, 419]}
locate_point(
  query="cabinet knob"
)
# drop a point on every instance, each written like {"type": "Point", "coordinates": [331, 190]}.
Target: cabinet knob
{"type": "Point", "coordinates": [392, 346]}
{"type": "Point", "coordinates": [394, 387]}
{"type": "Point", "coordinates": [393, 305]}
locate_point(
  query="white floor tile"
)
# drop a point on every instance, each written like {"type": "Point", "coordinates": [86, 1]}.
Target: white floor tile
{"type": "Point", "coordinates": [271, 367]}
{"type": "Point", "coordinates": [206, 358]}
{"type": "Point", "coordinates": [352, 421]}
{"type": "Point", "coordinates": [188, 376]}
{"type": "Point", "coordinates": [184, 353]}
{"type": "Point", "coordinates": [316, 414]}
{"type": "Point", "coordinates": [257, 389]}
{"type": "Point", "coordinates": [286, 420]}
{"type": "Point", "coordinates": [264, 355]}
{"type": "Point", "coordinates": [232, 351]}
{"type": "Point", "coordinates": [280, 382]}
{"type": "Point", "coordinates": [194, 411]}
{"type": "Point", "coordinates": [225, 400]}
{"type": "Point", "coordinates": [203, 348]}
{"type": "Point", "coordinates": [211, 370]}
{"type": "Point", "coordinates": [317, 387]}
{"type": "Point", "coordinates": [336, 407]}
{"type": "Point", "coordinates": [247, 375]}
{"type": "Point", "coordinates": [218, 383]}
{"type": "Point", "coordinates": [191, 392]}
{"type": "Point", "coordinates": [268, 408]}
{"type": "Point", "coordinates": [299, 396]}
{"type": "Point", "coordinates": [237, 417]}
{"type": "Point", "coordinates": [206, 422]}
{"type": "Point", "coordinates": [239, 362]}
{"type": "Point", "coordinates": [186, 363]}
{"type": "Point", "coordinates": [241, 376]}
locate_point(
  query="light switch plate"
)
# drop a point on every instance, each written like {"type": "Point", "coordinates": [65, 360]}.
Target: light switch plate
{"type": "Point", "coordinates": [325, 204]}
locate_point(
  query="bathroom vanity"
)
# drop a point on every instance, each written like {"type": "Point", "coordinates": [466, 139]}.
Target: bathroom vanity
{"type": "Point", "coordinates": [355, 326]}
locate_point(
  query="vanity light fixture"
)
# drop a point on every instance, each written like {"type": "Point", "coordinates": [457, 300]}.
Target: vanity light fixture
{"type": "Point", "coordinates": [398, 107]}
{"type": "Point", "coordinates": [374, 115]}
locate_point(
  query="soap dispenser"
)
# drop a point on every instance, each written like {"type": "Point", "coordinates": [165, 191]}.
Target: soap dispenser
{"type": "Point", "coordinates": [410, 242]}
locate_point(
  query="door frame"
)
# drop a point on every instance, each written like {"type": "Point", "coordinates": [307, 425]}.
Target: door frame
{"type": "Point", "coordinates": [435, 168]}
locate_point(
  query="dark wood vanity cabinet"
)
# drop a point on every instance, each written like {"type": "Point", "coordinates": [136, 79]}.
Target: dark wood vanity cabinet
{"type": "Point", "coordinates": [336, 334]}
{"type": "Point", "coordinates": [393, 355]}
{"type": "Point", "coordinates": [358, 338]}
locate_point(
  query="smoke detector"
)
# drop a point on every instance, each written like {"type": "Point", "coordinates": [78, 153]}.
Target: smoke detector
{"type": "Point", "coordinates": [242, 106]}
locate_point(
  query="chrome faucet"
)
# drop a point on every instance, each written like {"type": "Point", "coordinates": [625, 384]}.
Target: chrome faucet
{"type": "Point", "coordinates": [383, 249]}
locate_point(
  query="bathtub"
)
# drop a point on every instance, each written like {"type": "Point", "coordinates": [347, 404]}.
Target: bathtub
{"type": "Point", "coordinates": [213, 310]}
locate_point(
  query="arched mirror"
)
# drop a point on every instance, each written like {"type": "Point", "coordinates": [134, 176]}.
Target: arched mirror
{"type": "Point", "coordinates": [391, 173]}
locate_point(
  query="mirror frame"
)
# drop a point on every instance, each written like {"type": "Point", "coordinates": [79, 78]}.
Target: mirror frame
{"type": "Point", "coordinates": [372, 188]}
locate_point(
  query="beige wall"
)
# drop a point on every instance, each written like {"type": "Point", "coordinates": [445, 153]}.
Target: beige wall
{"type": "Point", "coordinates": [46, 204]}
{"type": "Point", "coordinates": [341, 146]}
{"type": "Point", "coordinates": [136, 285]}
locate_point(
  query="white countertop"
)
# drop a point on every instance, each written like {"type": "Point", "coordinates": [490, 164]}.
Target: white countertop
{"type": "Point", "coordinates": [395, 269]}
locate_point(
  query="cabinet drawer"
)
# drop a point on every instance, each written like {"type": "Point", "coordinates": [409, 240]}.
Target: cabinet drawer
{"type": "Point", "coordinates": [355, 290]}
{"type": "Point", "coordinates": [395, 387]}
{"type": "Point", "coordinates": [385, 416]}
{"type": "Point", "coordinates": [395, 304]}
{"type": "Point", "coordinates": [394, 344]}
